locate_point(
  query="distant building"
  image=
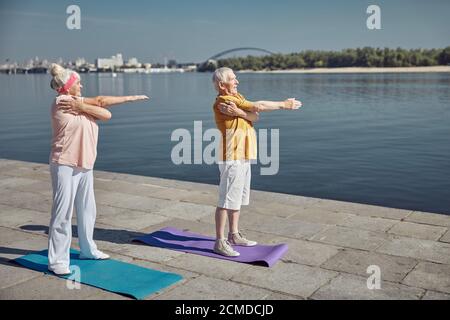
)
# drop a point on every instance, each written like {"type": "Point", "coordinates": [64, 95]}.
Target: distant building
{"type": "Point", "coordinates": [133, 63]}
{"type": "Point", "coordinates": [172, 64]}
{"type": "Point", "coordinates": [109, 63]}
{"type": "Point", "coordinates": [80, 62]}
{"type": "Point", "coordinates": [188, 67]}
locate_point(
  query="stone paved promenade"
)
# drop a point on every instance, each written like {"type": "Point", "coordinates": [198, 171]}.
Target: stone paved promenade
{"type": "Point", "coordinates": [331, 243]}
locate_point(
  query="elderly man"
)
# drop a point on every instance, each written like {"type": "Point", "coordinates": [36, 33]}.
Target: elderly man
{"type": "Point", "coordinates": [234, 116]}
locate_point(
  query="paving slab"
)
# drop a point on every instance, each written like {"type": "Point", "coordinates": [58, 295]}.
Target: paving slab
{"type": "Point", "coordinates": [280, 296]}
{"type": "Point", "coordinates": [433, 295]}
{"type": "Point", "coordinates": [47, 287]}
{"type": "Point", "coordinates": [280, 226]}
{"type": "Point", "coordinates": [104, 210]}
{"type": "Point", "coordinates": [25, 200]}
{"type": "Point", "coordinates": [145, 252]}
{"type": "Point", "coordinates": [356, 262]}
{"type": "Point", "coordinates": [429, 218]}
{"type": "Point", "coordinates": [347, 287]}
{"type": "Point", "coordinates": [125, 187]}
{"type": "Point", "coordinates": [13, 274]}
{"type": "Point", "coordinates": [132, 219]}
{"type": "Point", "coordinates": [170, 183]}
{"type": "Point", "coordinates": [431, 276]}
{"type": "Point", "coordinates": [106, 295]}
{"type": "Point", "coordinates": [306, 252]}
{"type": "Point", "coordinates": [419, 231]}
{"type": "Point", "coordinates": [205, 226]}
{"type": "Point", "coordinates": [273, 209]}
{"type": "Point", "coordinates": [21, 247]}
{"type": "Point", "coordinates": [445, 237]}
{"type": "Point", "coordinates": [10, 235]}
{"type": "Point", "coordinates": [111, 238]}
{"type": "Point", "coordinates": [127, 201]}
{"type": "Point", "coordinates": [190, 196]}
{"type": "Point", "coordinates": [294, 200]}
{"type": "Point", "coordinates": [362, 209]}
{"type": "Point", "coordinates": [289, 278]}
{"type": "Point", "coordinates": [432, 251]}
{"type": "Point", "coordinates": [351, 238]}
{"type": "Point", "coordinates": [322, 216]}
{"type": "Point", "coordinates": [8, 182]}
{"type": "Point", "coordinates": [16, 217]}
{"type": "Point", "coordinates": [368, 223]}
{"type": "Point", "coordinates": [43, 187]}
{"type": "Point", "coordinates": [215, 268]}
{"type": "Point", "coordinates": [186, 274]}
{"type": "Point", "coordinates": [204, 287]}
{"type": "Point", "coordinates": [26, 171]}
{"type": "Point", "coordinates": [187, 211]}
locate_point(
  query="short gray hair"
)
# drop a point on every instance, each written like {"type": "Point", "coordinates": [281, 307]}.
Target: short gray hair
{"type": "Point", "coordinates": [220, 75]}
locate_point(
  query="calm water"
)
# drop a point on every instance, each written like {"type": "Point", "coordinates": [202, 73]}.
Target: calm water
{"type": "Point", "coordinates": [381, 139]}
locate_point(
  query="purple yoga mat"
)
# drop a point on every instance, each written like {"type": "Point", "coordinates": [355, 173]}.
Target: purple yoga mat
{"type": "Point", "coordinates": [172, 238]}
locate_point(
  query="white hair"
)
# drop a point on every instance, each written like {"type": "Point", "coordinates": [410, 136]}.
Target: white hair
{"type": "Point", "coordinates": [60, 76]}
{"type": "Point", "coordinates": [221, 75]}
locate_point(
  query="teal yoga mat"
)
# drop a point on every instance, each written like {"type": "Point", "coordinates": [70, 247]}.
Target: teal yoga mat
{"type": "Point", "coordinates": [110, 275]}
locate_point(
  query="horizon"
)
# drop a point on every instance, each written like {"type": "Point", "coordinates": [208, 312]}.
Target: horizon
{"type": "Point", "coordinates": [11, 60]}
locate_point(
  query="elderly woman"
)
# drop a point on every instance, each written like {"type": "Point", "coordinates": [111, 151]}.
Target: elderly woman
{"type": "Point", "coordinates": [72, 158]}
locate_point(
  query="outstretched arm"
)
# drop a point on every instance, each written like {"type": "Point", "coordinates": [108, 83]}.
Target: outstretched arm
{"type": "Point", "coordinates": [77, 105]}
{"type": "Point", "coordinates": [229, 108]}
{"type": "Point", "coordinates": [107, 101]}
{"type": "Point", "coordinates": [288, 104]}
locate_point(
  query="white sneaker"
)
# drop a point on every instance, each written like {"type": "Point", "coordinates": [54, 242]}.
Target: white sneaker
{"type": "Point", "coordinates": [60, 270]}
{"type": "Point", "coordinates": [98, 256]}
{"type": "Point", "coordinates": [237, 239]}
{"type": "Point", "coordinates": [223, 247]}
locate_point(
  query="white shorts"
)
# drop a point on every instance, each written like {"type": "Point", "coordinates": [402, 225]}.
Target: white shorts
{"type": "Point", "coordinates": [234, 187]}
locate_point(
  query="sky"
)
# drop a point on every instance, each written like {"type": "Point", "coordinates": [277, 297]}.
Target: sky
{"type": "Point", "coordinates": [194, 30]}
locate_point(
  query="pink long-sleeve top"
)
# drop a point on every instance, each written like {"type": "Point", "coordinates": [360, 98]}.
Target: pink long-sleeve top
{"type": "Point", "coordinates": [74, 141]}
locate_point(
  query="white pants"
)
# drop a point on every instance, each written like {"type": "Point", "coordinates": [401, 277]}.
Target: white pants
{"type": "Point", "coordinates": [234, 187]}
{"type": "Point", "coordinates": [71, 186]}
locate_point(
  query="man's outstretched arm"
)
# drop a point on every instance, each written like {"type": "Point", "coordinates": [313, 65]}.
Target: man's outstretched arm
{"type": "Point", "coordinates": [229, 108]}
{"type": "Point", "coordinates": [288, 104]}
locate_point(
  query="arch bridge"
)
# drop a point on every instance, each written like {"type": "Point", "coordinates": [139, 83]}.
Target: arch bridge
{"type": "Point", "coordinates": [211, 63]}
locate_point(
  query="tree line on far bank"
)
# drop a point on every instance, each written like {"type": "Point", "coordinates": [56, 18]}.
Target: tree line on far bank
{"type": "Point", "coordinates": [360, 57]}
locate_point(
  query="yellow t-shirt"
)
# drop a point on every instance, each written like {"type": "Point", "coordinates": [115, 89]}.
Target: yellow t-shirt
{"type": "Point", "coordinates": [238, 133]}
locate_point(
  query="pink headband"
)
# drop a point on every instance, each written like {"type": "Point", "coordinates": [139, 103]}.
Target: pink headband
{"type": "Point", "coordinates": [69, 83]}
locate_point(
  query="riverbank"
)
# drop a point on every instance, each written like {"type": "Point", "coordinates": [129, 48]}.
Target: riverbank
{"type": "Point", "coordinates": [432, 69]}
{"type": "Point", "coordinates": [331, 243]}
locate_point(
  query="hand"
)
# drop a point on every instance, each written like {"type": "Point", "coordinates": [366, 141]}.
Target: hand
{"type": "Point", "coordinates": [292, 104]}
{"type": "Point", "coordinates": [229, 108]}
{"type": "Point", "coordinates": [72, 106]}
{"type": "Point", "coordinates": [137, 98]}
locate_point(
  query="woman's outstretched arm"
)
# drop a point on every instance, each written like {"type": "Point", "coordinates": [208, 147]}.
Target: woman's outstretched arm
{"type": "Point", "coordinates": [78, 105]}
{"type": "Point", "coordinates": [108, 101]}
